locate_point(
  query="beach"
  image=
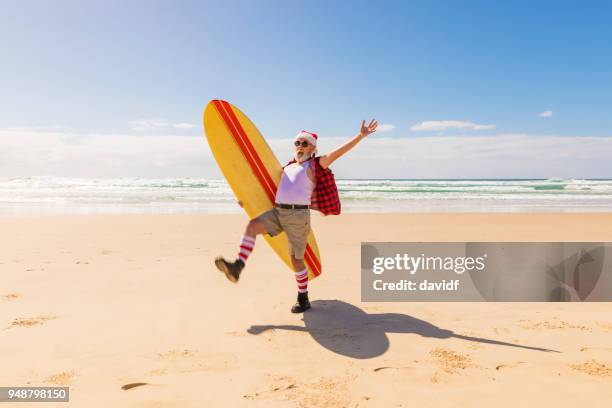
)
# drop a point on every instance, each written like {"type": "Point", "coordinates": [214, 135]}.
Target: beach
{"type": "Point", "coordinates": [129, 311]}
{"type": "Point", "coordinates": [464, 148]}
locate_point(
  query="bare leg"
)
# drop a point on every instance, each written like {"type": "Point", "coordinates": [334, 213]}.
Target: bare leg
{"type": "Point", "coordinates": [254, 227]}
{"type": "Point", "coordinates": [298, 264]}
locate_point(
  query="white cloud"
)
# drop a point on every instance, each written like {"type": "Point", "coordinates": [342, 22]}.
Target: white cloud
{"type": "Point", "coordinates": [490, 156]}
{"type": "Point", "coordinates": [59, 153]}
{"type": "Point", "coordinates": [546, 114]}
{"type": "Point", "coordinates": [385, 127]}
{"type": "Point", "coordinates": [183, 126]}
{"type": "Point", "coordinates": [442, 125]}
{"type": "Point", "coordinates": [143, 125]}
{"type": "Point", "coordinates": [35, 128]}
{"type": "Point", "coordinates": [36, 153]}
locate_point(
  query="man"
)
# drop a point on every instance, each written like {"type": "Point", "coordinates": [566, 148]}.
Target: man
{"type": "Point", "coordinates": [306, 182]}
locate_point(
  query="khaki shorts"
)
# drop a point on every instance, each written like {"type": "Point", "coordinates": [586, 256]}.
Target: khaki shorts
{"type": "Point", "coordinates": [295, 223]}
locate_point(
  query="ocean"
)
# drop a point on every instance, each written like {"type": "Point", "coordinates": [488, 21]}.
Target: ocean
{"type": "Point", "coordinates": [52, 195]}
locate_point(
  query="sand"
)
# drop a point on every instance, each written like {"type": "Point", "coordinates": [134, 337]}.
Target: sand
{"type": "Point", "coordinates": [128, 311]}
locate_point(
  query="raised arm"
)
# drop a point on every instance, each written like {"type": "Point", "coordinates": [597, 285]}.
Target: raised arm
{"type": "Point", "coordinates": [327, 159]}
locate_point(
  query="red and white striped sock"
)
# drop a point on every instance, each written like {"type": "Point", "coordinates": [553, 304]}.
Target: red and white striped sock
{"type": "Point", "coordinates": [301, 278]}
{"type": "Point", "coordinates": [246, 247]}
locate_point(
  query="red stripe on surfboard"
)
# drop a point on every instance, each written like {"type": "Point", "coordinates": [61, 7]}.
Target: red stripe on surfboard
{"type": "Point", "coordinates": [271, 186]}
{"type": "Point", "coordinates": [258, 167]}
{"type": "Point", "coordinates": [251, 156]}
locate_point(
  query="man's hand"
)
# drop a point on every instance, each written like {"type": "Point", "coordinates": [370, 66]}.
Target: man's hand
{"type": "Point", "coordinates": [327, 159]}
{"type": "Point", "coordinates": [367, 130]}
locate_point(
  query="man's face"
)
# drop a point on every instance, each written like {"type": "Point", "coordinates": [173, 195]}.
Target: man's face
{"type": "Point", "coordinates": [303, 150]}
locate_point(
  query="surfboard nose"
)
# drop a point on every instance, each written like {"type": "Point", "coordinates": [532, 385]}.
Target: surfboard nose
{"type": "Point", "coordinates": [211, 104]}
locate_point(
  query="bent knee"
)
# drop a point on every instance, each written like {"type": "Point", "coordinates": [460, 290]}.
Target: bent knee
{"type": "Point", "coordinates": [298, 264]}
{"type": "Point", "coordinates": [255, 227]}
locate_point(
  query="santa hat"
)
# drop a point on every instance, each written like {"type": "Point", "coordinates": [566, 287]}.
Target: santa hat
{"type": "Point", "coordinates": [310, 137]}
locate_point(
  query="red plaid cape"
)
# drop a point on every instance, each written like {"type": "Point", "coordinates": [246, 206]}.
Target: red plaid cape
{"type": "Point", "coordinates": [325, 196]}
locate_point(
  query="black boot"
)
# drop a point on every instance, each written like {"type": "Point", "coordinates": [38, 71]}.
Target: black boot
{"type": "Point", "coordinates": [230, 269]}
{"type": "Point", "coordinates": [302, 303]}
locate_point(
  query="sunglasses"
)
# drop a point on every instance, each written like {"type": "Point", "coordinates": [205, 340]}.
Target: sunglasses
{"type": "Point", "coordinates": [303, 143]}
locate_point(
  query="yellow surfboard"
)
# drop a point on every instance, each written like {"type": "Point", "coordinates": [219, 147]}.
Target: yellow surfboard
{"type": "Point", "coordinates": [252, 171]}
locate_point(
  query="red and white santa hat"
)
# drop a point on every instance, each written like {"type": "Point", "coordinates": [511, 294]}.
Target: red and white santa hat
{"type": "Point", "coordinates": [308, 136]}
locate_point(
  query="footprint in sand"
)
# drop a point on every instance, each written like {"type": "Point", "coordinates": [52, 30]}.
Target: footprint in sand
{"type": "Point", "coordinates": [30, 321]}
{"type": "Point", "coordinates": [593, 368]}
{"type": "Point", "coordinates": [554, 324]}
{"type": "Point", "coordinates": [187, 361]}
{"type": "Point", "coordinates": [451, 362]}
{"type": "Point", "coordinates": [175, 354]}
{"type": "Point", "coordinates": [64, 378]}
{"type": "Point", "coordinates": [321, 392]}
{"type": "Point", "coordinates": [596, 348]}
{"type": "Point", "coordinates": [509, 365]}
{"type": "Point", "coordinates": [236, 334]}
{"type": "Point", "coordinates": [176, 361]}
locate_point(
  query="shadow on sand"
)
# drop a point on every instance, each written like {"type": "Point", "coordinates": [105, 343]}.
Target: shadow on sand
{"type": "Point", "coordinates": [347, 330]}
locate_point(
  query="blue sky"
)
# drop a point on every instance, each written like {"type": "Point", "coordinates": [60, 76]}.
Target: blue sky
{"type": "Point", "coordinates": [473, 68]}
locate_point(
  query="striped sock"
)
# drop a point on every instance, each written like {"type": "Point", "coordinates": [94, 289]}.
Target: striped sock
{"type": "Point", "coordinates": [246, 247]}
{"type": "Point", "coordinates": [301, 278]}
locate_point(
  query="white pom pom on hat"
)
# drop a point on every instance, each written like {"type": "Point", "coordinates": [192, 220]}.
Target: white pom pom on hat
{"type": "Point", "coordinates": [310, 137]}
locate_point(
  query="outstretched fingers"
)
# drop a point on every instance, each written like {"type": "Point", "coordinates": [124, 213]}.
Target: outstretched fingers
{"type": "Point", "coordinates": [370, 128]}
